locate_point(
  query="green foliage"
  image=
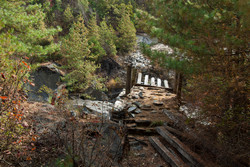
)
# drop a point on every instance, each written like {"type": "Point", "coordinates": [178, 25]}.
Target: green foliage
{"type": "Point", "coordinates": [68, 16]}
{"type": "Point", "coordinates": [79, 60]}
{"type": "Point", "coordinates": [171, 61]}
{"type": "Point", "coordinates": [84, 4]}
{"type": "Point", "coordinates": [126, 37]}
{"type": "Point", "coordinates": [96, 49]}
{"type": "Point", "coordinates": [214, 37]}
{"type": "Point", "coordinates": [103, 7]}
{"type": "Point", "coordinates": [94, 38]}
{"type": "Point", "coordinates": [23, 36]}
{"type": "Point", "coordinates": [23, 30]}
{"type": "Point", "coordinates": [108, 38]}
{"type": "Point", "coordinates": [94, 30]}
{"type": "Point", "coordinates": [140, 18]}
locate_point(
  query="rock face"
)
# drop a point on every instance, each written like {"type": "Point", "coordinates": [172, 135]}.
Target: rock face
{"type": "Point", "coordinates": [46, 76]}
{"type": "Point", "coordinates": [109, 65]}
{"type": "Point", "coordinates": [139, 61]}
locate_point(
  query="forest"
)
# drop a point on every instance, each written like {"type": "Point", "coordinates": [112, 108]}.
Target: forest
{"type": "Point", "coordinates": [210, 58]}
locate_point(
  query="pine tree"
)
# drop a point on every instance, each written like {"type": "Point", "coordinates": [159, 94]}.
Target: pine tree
{"type": "Point", "coordinates": [23, 37]}
{"type": "Point", "coordinates": [127, 34]}
{"type": "Point", "coordinates": [94, 38]}
{"type": "Point", "coordinates": [23, 31]}
{"type": "Point", "coordinates": [68, 16]}
{"type": "Point", "coordinates": [214, 37]}
{"type": "Point", "coordinates": [107, 38]}
{"type": "Point", "coordinates": [79, 60]}
{"type": "Point", "coordinates": [93, 27]}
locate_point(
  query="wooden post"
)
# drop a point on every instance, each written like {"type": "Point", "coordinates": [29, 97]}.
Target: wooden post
{"type": "Point", "coordinates": [176, 82]}
{"type": "Point", "coordinates": [133, 80]}
{"type": "Point", "coordinates": [152, 81]}
{"type": "Point", "coordinates": [128, 82]}
{"type": "Point", "coordinates": [139, 78]}
{"type": "Point", "coordinates": [146, 80]}
{"type": "Point", "coordinates": [179, 86]}
{"type": "Point", "coordinates": [166, 84]}
{"type": "Point", "coordinates": [158, 82]}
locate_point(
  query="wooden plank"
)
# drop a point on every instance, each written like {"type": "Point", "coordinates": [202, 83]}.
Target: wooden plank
{"type": "Point", "coordinates": [166, 84]}
{"type": "Point", "coordinates": [158, 82]}
{"type": "Point", "coordinates": [169, 157]}
{"type": "Point", "coordinates": [139, 78]}
{"type": "Point", "coordinates": [153, 81]}
{"type": "Point", "coordinates": [153, 87]}
{"type": "Point", "coordinates": [146, 80]}
{"type": "Point", "coordinates": [176, 132]}
{"type": "Point", "coordinates": [182, 148]}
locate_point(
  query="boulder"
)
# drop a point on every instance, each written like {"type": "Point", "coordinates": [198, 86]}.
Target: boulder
{"type": "Point", "coordinates": [46, 78]}
{"type": "Point", "coordinates": [99, 108]}
{"type": "Point", "coordinates": [162, 48]}
{"type": "Point", "coordinates": [145, 38]}
{"type": "Point", "coordinates": [132, 108]}
{"type": "Point", "coordinates": [141, 95]}
{"type": "Point", "coordinates": [119, 105]}
{"type": "Point", "coordinates": [97, 94]}
{"type": "Point", "coordinates": [138, 104]}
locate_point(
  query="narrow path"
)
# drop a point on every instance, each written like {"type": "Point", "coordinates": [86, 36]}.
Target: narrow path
{"type": "Point", "coordinates": [150, 142]}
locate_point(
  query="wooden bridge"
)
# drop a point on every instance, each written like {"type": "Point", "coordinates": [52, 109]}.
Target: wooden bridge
{"type": "Point", "coordinates": [153, 81]}
{"type": "Point", "coordinates": [134, 78]}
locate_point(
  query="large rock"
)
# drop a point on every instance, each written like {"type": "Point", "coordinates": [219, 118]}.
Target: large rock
{"type": "Point", "coordinates": [46, 79]}
{"type": "Point", "coordinates": [97, 94]}
{"type": "Point", "coordinates": [162, 48]}
{"type": "Point", "coordinates": [144, 38]}
{"type": "Point", "coordinates": [120, 105]}
{"type": "Point", "coordinates": [99, 108]}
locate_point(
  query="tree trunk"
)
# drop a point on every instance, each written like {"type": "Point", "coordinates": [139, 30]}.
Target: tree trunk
{"type": "Point", "coordinates": [178, 85]}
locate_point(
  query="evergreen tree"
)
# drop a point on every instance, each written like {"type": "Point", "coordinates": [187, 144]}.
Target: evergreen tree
{"type": "Point", "coordinates": [214, 37]}
{"type": "Point", "coordinates": [79, 60]}
{"type": "Point", "coordinates": [94, 38]}
{"type": "Point", "coordinates": [127, 34]}
{"type": "Point", "coordinates": [68, 16]}
{"type": "Point", "coordinates": [23, 36]}
{"type": "Point", "coordinates": [107, 38]}
{"type": "Point", "coordinates": [94, 30]}
{"type": "Point", "coordinates": [23, 31]}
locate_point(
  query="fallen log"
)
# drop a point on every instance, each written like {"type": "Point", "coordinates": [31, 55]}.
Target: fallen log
{"type": "Point", "coordinates": [169, 157]}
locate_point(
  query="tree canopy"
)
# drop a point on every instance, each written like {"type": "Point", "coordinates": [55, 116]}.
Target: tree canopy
{"type": "Point", "coordinates": [214, 38]}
